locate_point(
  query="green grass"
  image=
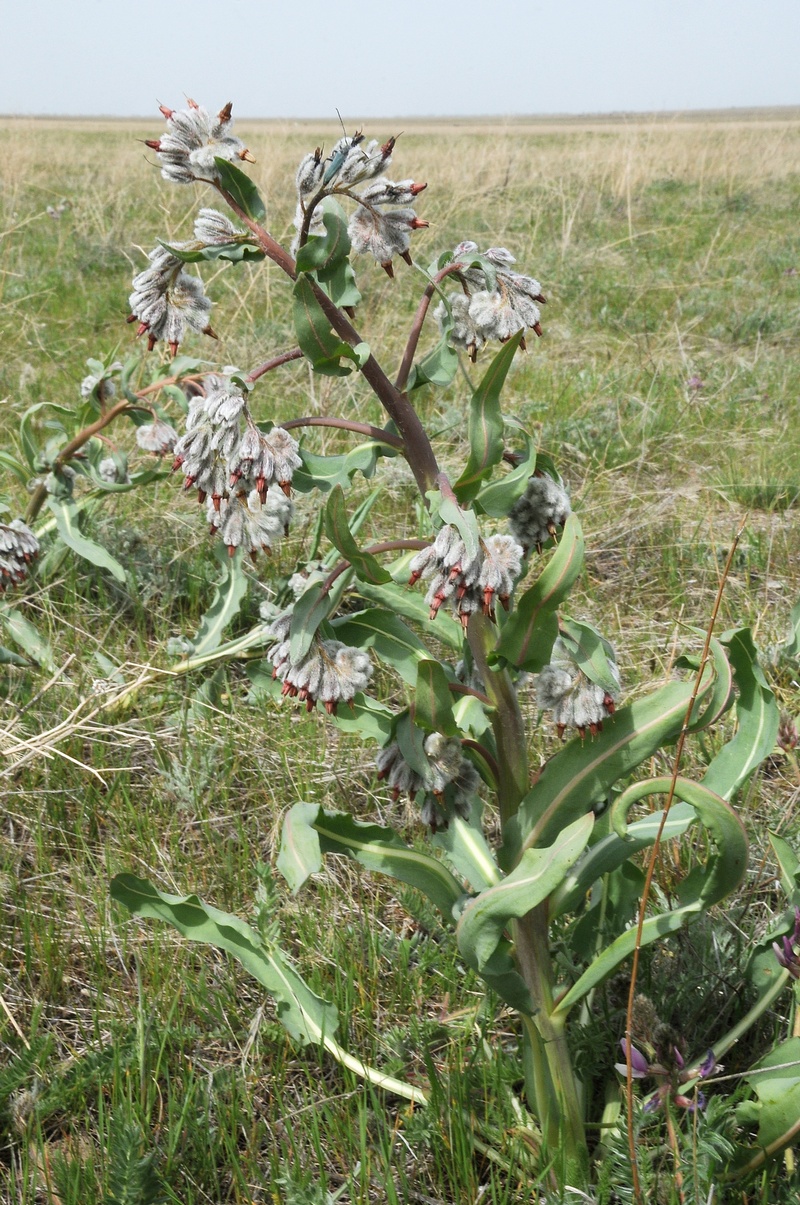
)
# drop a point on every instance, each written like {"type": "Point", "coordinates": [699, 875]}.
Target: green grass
{"type": "Point", "coordinates": [665, 253]}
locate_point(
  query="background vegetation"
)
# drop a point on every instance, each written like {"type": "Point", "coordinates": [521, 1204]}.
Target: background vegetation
{"type": "Point", "coordinates": [665, 387]}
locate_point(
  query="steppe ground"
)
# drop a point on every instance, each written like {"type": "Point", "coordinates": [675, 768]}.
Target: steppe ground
{"type": "Point", "coordinates": [666, 388]}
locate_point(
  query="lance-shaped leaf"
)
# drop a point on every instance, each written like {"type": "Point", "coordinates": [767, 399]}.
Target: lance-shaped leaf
{"type": "Point", "coordinates": [433, 702]}
{"type": "Point", "coordinates": [722, 874]}
{"type": "Point", "coordinates": [318, 343]}
{"type": "Point", "coordinates": [366, 567]}
{"type": "Point", "coordinates": [27, 637]}
{"type": "Point", "coordinates": [410, 604]}
{"type": "Point", "coordinates": [310, 831]}
{"type": "Point", "coordinates": [468, 851]}
{"type": "Point", "coordinates": [485, 429]}
{"type": "Point", "coordinates": [230, 590]}
{"type": "Point", "coordinates": [590, 651]}
{"type": "Point", "coordinates": [788, 866]}
{"type": "Point", "coordinates": [305, 1015]}
{"type": "Point", "coordinates": [529, 634]}
{"type": "Point", "coordinates": [384, 632]}
{"type": "Point", "coordinates": [498, 496]}
{"type": "Point", "coordinates": [244, 250]}
{"type": "Point", "coordinates": [323, 252]}
{"type": "Point", "coordinates": [325, 472]}
{"type": "Point", "coordinates": [311, 609]}
{"type": "Point", "coordinates": [437, 368]}
{"type": "Point", "coordinates": [757, 714]}
{"type": "Point", "coordinates": [536, 876]}
{"type": "Point", "coordinates": [582, 773]}
{"type": "Point", "coordinates": [241, 188]}
{"type": "Point", "coordinates": [66, 515]}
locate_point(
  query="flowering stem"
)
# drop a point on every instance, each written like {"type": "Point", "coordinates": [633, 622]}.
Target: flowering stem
{"type": "Point", "coordinates": [418, 323]}
{"type": "Point", "coordinates": [346, 424]}
{"type": "Point", "coordinates": [419, 453]}
{"type": "Point", "coordinates": [39, 495]}
{"type": "Point", "coordinates": [284, 358]}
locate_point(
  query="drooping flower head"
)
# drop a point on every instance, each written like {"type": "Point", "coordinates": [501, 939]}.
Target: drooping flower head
{"type": "Point", "coordinates": [19, 548]}
{"type": "Point", "coordinates": [166, 301]}
{"type": "Point", "coordinates": [330, 672]}
{"type": "Point", "coordinates": [540, 512]}
{"type": "Point", "coordinates": [194, 139]}
{"type": "Point", "coordinates": [157, 437]}
{"type": "Point", "coordinates": [574, 700]}
{"type": "Point", "coordinates": [494, 304]}
{"type": "Point", "coordinates": [471, 580]}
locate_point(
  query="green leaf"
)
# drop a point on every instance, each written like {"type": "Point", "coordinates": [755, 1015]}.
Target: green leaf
{"type": "Point", "coordinates": [758, 717]}
{"type": "Point", "coordinates": [411, 741]}
{"type": "Point", "coordinates": [590, 651]}
{"type": "Point", "coordinates": [14, 466]}
{"type": "Point", "coordinates": [66, 514]}
{"type": "Point", "coordinates": [791, 646]}
{"type": "Point", "coordinates": [582, 773]}
{"type": "Point", "coordinates": [485, 427]}
{"type": "Point", "coordinates": [439, 367]}
{"type": "Point", "coordinates": [242, 251]}
{"type": "Point", "coordinates": [468, 851]}
{"type": "Point", "coordinates": [464, 520]}
{"type": "Point", "coordinates": [497, 497]}
{"type": "Point", "coordinates": [321, 347]}
{"type": "Point", "coordinates": [311, 608]}
{"type": "Point", "coordinates": [366, 567]}
{"type": "Point", "coordinates": [536, 876]}
{"type": "Point", "coordinates": [433, 706]}
{"type": "Point", "coordinates": [27, 637]}
{"type": "Point", "coordinates": [776, 1082]}
{"type": "Point", "coordinates": [529, 634]}
{"type": "Point", "coordinates": [242, 189]}
{"type": "Point", "coordinates": [325, 472]}
{"type": "Point", "coordinates": [789, 867]}
{"type": "Point", "coordinates": [365, 715]}
{"type": "Point", "coordinates": [324, 252]}
{"type": "Point", "coordinates": [410, 604]}
{"type": "Point", "coordinates": [386, 633]}
{"type": "Point", "coordinates": [230, 590]}
{"type": "Point", "coordinates": [723, 873]}
{"type": "Point", "coordinates": [376, 848]}
{"type": "Point", "coordinates": [300, 1011]}
{"type": "Point", "coordinates": [9, 658]}
{"type": "Point", "coordinates": [340, 284]}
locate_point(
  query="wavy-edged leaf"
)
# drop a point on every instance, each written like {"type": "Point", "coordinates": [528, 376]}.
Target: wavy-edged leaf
{"type": "Point", "coordinates": [310, 831]}
{"type": "Point", "coordinates": [392, 640]}
{"type": "Point", "coordinates": [66, 516]}
{"type": "Point", "coordinates": [722, 874]}
{"type": "Point", "coordinates": [230, 590]}
{"type": "Point", "coordinates": [535, 877]}
{"type": "Point", "coordinates": [366, 567]}
{"type": "Point", "coordinates": [324, 252]}
{"type": "Point", "coordinates": [590, 651]}
{"type": "Point", "coordinates": [307, 1017]}
{"type": "Point", "coordinates": [582, 773]}
{"type": "Point", "coordinates": [241, 188]}
{"type": "Point", "coordinates": [433, 702]}
{"type": "Point", "coordinates": [243, 250]}
{"type": "Point", "coordinates": [485, 427]}
{"type": "Point", "coordinates": [498, 496]}
{"type": "Point", "coordinates": [530, 632]}
{"type": "Point", "coordinates": [758, 717]}
{"type": "Point", "coordinates": [27, 637]}
{"type": "Point", "coordinates": [325, 472]}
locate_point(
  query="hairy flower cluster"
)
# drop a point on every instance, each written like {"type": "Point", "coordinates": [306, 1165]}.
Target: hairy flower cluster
{"type": "Point", "coordinates": [382, 224]}
{"type": "Point", "coordinates": [166, 300]}
{"type": "Point", "coordinates": [113, 470]}
{"type": "Point", "coordinates": [157, 437]}
{"type": "Point", "coordinates": [575, 701]}
{"type": "Point", "coordinates": [234, 465]}
{"type": "Point", "coordinates": [537, 515]}
{"type": "Point", "coordinates": [450, 777]}
{"type": "Point", "coordinates": [18, 549]}
{"type": "Point", "coordinates": [194, 139]}
{"type": "Point", "coordinates": [330, 672]}
{"type": "Point", "coordinates": [471, 581]}
{"type": "Point", "coordinates": [214, 229]}
{"type": "Point", "coordinates": [490, 309]}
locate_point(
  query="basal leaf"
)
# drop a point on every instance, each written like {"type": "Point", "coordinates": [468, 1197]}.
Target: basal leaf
{"type": "Point", "coordinates": [529, 634]}
{"type": "Point", "coordinates": [485, 428]}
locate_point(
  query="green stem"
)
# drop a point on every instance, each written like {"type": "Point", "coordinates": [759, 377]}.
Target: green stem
{"type": "Point", "coordinates": [507, 722]}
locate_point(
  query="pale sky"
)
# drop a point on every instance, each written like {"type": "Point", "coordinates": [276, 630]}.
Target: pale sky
{"type": "Point", "coordinates": [408, 57]}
